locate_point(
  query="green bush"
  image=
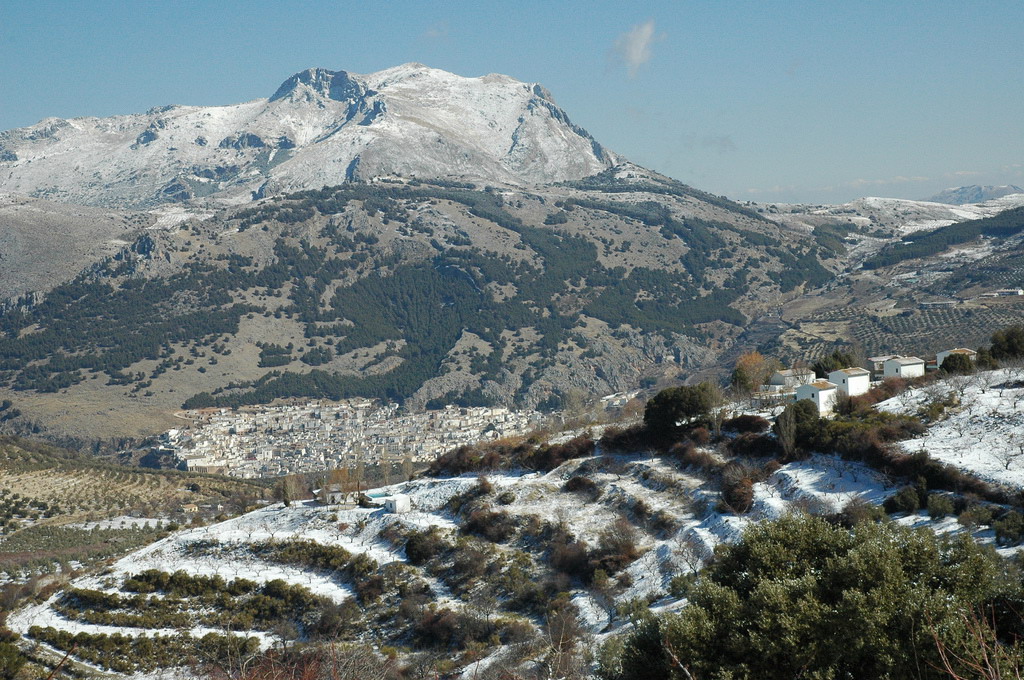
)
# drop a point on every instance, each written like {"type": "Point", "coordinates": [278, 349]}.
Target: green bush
{"type": "Point", "coordinates": [1009, 528]}
{"type": "Point", "coordinates": [906, 500]}
{"type": "Point", "coordinates": [939, 505]}
{"type": "Point", "coordinates": [676, 406]}
{"type": "Point", "coordinates": [976, 515]}
{"type": "Point", "coordinates": [802, 598]}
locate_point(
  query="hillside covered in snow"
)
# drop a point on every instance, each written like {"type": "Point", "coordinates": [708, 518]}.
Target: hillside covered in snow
{"type": "Point", "coordinates": [567, 535]}
{"type": "Point", "coordinates": [319, 128]}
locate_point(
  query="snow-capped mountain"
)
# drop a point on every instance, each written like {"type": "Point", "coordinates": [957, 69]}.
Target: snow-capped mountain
{"type": "Point", "coordinates": [319, 128]}
{"type": "Point", "coordinates": [974, 193]}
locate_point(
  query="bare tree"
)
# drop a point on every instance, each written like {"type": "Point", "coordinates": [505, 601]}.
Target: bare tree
{"type": "Point", "coordinates": [785, 431]}
{"type": "Point", "coordinates": [1010, 451]}
{"type": "Point", "coordinates": [565, 658]}
{"type": "Point", "coordinates": [688, 548]}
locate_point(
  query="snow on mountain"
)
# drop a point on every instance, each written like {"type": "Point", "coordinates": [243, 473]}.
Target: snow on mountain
{"type": "Point", "coordinates": [822, 484]}
{"type": "Point", "coordinates": [895, 216]}
{"type": "Point", "coordinates": [974, 194]}
{"type": "Point", "coordinates": [319, 128]}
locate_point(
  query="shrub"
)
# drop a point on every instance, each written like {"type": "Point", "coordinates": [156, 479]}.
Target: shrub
{"type": "Point", "coordinates": [939, 505]}
{"type": "Point", "coordinates": [1009, 528]}
{"type": "Point", "coordinates": [625, 440]}
{"type": "Point", "coordinates": [664, 523]}
{"type": "Point", "coordinates": [570, 557]}
{"type": "Point", "coordinates": [739, 495]}
{"type": "Point", "coordinates": [675, 406]}
{"type": "Point", "coordinates": [335, 619]}
{"type": "Point", "coordinates": [753, 445]}
{"type": "Point", "coordinates": [549, 457]}
{"type": "Point", "coordinates": [423, 546]}
{"type": "Point", "coordinates": [469, 560]}
{"type": "Point", "coordinates": [583, 486]}
{"type": "Point", "coordinates": [370, 588]}
{"type": "Point", "coordinates": [616, 547]}
{"type": "Point", "coordinates": [857, 511]}
{"type": "Point", "coordinates": [699, 435]}
{"type": "Point", "coordinates": [976, 515]}
{"type": "Point", "coordinates": [691, 456]}
{"type": "Point", "coordinates": [746, 423]}
{"type": "Point", "coordinates": [495, 526]}
{"type": "Point", "coordinates": [884, 593]}
{"type": "Point", "coordinates": [682, 449]}
{"type": "Point", "coordinates": [905, 500]}
{"type": "Point", "coordinates": [486, 457]}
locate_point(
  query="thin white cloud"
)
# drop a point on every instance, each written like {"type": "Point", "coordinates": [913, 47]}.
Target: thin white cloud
{"type": "Point", "coordinates": [966, 173]}
{"type": "Point", "coordinates": [777, 189]}
{"type": "Point", "coordinates": [438, 31]}
{"type": "Point", "coordinates": [633, 48]}
{"type": "Point", "coordinates": [898, 179]}
{"type": "Point", "coordinates": [720, 143]}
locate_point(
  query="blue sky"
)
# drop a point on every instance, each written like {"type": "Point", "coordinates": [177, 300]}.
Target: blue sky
{"type": "Point", "coordinates": [788, 101]}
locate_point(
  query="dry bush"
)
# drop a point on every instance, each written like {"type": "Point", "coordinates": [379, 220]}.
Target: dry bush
{"type": "Point", "coordinates": [738, 487]}
{"type": "Point", "coordinates": [699, 435]}
{"type": "Point", "coordinates": [582, 485]}
{"type": "Point", "coordinates": [752, 445]}
{"type": "Point", "coordinates": [496, 526]}
{"type": "Point", "coordinates": [423, 546]}
{"type": "Point", "coordinates": [571, 557]}
{"type": "Point", "coordinates": [625, 440]}
{"type": "Point", "coordinates": [746, 423]}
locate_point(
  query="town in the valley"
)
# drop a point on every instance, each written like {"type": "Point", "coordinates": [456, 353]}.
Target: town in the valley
{"type": "Point", "coordinates": [318, 436]}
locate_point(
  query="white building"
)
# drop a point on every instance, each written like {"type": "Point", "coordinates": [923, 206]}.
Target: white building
{"type": "Point", "coordinates": [941, 356]}
{"type": "Point", "coordinates": [851, 382]}
{"type": "Point", "coordinates": [791, 377]}
{"type": "Point", "coordinates": [878, 363]}
{"type": "Point", "coordinates": [904, 367]}
{"type": "Point", "coordinates": [398, 503]}
{"type": "Point", "coordinates": [335, 495]}
{"type": "Point", "coordinates": [821, 392]}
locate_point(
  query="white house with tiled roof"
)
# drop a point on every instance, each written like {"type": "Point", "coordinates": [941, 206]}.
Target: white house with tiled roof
{"type": "Point", "coordinates": [851, 382]}
{"type": "Point", "coordinates": [904, 367]}
{"type": "Point", "coordinates": [941, 356]}
{"type": "Point", "coordinates": [822, 392]}
{"type": "Point", "coordinates": [791, 377]}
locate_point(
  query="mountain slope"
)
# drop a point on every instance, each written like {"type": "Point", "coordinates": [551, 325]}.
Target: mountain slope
{"type": "Point", "coordinates": [974, 193]}
{"type": "Point", "coordinates": [419, 291]}
{"type": "Point", "coordinates": [319, 128]}
{"type": "Point", "coordinates": [43, 243]}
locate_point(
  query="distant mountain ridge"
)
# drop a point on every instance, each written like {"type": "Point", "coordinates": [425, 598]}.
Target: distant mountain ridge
{"type": "Point", "coordinates": [319, 128]}
{"type": "Point", "coordinates": [974, 193]}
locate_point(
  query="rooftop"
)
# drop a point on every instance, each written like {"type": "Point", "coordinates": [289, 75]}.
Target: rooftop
{"type": "Point", "coordinates": [907, 361]}
{"type": "Point", "coordinates": [822, 385]}
{"type": "Point", "coordinates": [794, 371]}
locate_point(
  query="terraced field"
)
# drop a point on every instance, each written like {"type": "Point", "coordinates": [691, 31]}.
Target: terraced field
{"type": "Point", "coordinates": [53, 504]}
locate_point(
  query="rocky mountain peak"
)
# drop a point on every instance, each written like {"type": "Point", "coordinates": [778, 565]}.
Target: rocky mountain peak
{"type": "Point", "coordinates": [321, 127]}
{"type": "Point", "coordinates": [336, 85]}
